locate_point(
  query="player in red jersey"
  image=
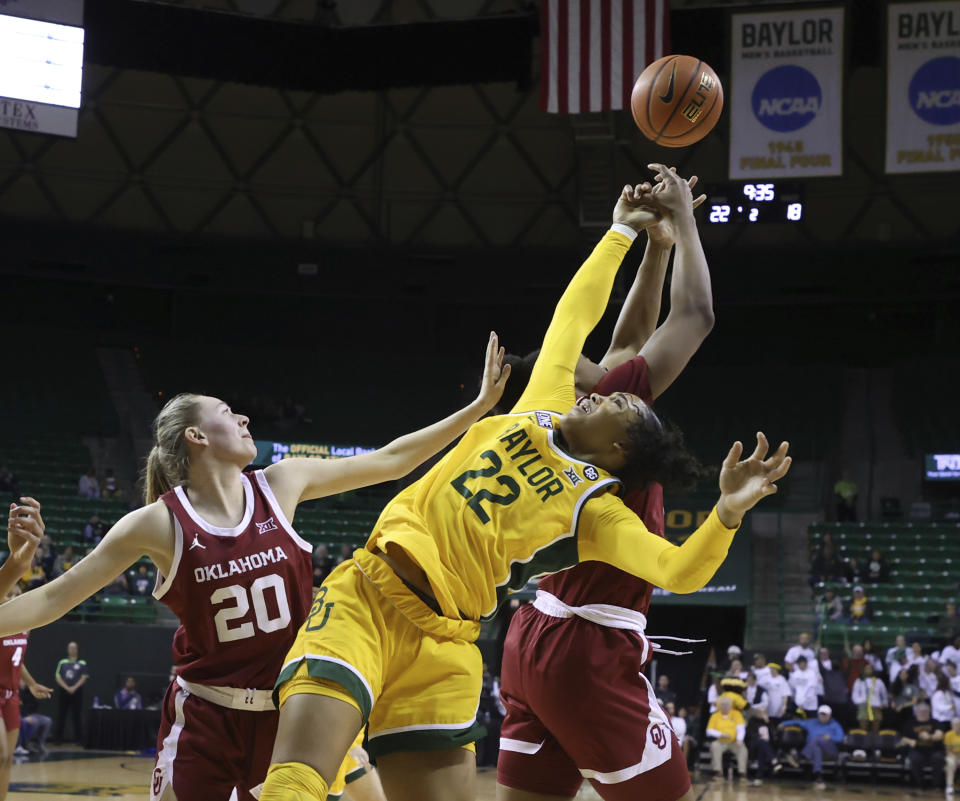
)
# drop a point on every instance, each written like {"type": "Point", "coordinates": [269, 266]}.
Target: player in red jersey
{"type": "Point", "coordinates": [24, 532]}
{"type": "Point", "coordinates": [235, 572]}
{"type": "Point", "coordinates": [578, 705]}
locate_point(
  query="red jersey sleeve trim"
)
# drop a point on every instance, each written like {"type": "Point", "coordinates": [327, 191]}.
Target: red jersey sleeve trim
{"type": "Point", "coordinates": [164, 583]}
{"type": "Point", "coordinates": [278, 512]}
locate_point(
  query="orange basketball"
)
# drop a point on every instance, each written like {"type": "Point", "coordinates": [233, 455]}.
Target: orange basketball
{"type": "Point", "coordinates": [677, 100]}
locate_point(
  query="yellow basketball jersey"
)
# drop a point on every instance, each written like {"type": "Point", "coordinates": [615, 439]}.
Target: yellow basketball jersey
{"type": "Point", "coordinates": [499, 509]}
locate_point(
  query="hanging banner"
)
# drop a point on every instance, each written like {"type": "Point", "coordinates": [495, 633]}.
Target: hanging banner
{"type": "Point", "coordinates": [787, 93]}
{"type": "Point", "coordinates": [923, 87]}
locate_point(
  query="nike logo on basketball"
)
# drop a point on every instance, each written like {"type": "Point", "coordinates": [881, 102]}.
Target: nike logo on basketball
{"type": "Point", "coordinates": [669, 95]}
{"type": "Point", "coordinates": [197, 543]}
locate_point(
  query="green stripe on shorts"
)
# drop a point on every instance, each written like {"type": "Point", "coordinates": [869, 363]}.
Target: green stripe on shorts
{"type": "Point", "coordinates": [425, 739]}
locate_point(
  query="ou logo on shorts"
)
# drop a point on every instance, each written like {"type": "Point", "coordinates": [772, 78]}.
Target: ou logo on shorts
{"type": "Point", "coordinates": [658, 736]}
{"type": "Point", "coordinates": [157, 781]}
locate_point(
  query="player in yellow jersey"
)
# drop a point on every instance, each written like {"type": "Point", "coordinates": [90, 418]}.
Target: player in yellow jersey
{"type": "Point", "coordinates": [389, 640]}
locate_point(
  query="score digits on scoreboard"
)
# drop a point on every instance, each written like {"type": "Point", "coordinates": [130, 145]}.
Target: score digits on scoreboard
{"type": "Point", "coordinates": [755, 203]}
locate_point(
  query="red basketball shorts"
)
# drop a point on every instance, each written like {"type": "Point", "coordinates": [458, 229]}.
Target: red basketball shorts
{"type": "Point", "coordinates": [205, 750]}
{"type": "Point", "coordinates": [578, 707]}
{"type": "Point", "coordinates": [10, 709]}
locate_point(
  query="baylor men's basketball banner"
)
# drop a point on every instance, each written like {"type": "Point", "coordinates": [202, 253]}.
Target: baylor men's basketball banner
{"type": "Point", "coordinates": [787, 93]}
{"type": "Point", "coordinates": [923, 87]}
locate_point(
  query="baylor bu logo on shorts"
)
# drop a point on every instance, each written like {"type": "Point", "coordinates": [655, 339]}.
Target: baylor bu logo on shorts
{"type": "Point", "coordinates": [658, 736]}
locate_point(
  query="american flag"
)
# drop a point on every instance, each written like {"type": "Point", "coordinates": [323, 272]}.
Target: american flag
{"type": "Point", "coordinates": [593, 51]}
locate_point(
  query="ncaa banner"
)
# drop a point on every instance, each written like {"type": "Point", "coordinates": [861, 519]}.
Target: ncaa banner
{"type": "Point", "coordinates": [787, 93]}
{"type": "Point", "coordinates": [923, 87]}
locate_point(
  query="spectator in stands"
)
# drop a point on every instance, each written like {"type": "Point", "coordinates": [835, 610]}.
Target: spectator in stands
{"type": "Point", "coordinates": [678, 722]}
{"type": "Point", "coordinates": [736, 671]}
{"type": "Point", "coordinates": [713, 693]}
{"type": "Point", "coordinates": [94, 530]}
{"type": "Point", "coordinates": [346, 552]}
{"type": "Point", "coordinates": [71, 675]}
{"type": "Point", "coordinates": [88, 486]}
{"type": "Point", "coordinates": [948, 624]}
{"type": "Point", "coordinates": [870, 697]}
{"type": "Point", "coordinates": [111, 489]}
{"type": "Point", "coordinates": [806, 686]}
{"type": "Point", "coordinates": [34, 727]}
{"type": "Point", "coordinates": [900, 644]}
{"type": "Point", "coordinates": [64, 562]}
{"type": "Point", "coordinates": [824, 734]}
{"type": "Point", "coordinates": [36, 575]}
{"type": "Point", "coordinates": [826, 565]}
{"type": "Point", "coordinates": [877, 570]}
{"type": "Point", "coordinates": [322, 564]}
{"type": "Point", "coordinates": [924, 738]}
{"type": "Point", "coordinates": [833, 687]}
{"type": "Point", "coordinates": [733, 654]}
{"type": "Point", "coordinates": [761, 668]}
{"type": "Point", "coordinates": [952, 652]}
{"type": "Point", "coordinates": [49, 554]}
{"type": "Point", "coordinates": [754, 694]}
{"type": "Point", "coordinates": [142, 583]}
{"type": "Point", "coordinates": [727, 730]}
{"type": "Point", "coordinates": [8, 483]}
{"type": "Point", "coordinates": [118, 586]}
{"type": "Point", "coordinates": [951, 744]}
{"type": "Point", "coordinates": [859, 611]}
{"type": "Point", "coordinates": [929, 676]}
{"type": "Point", "coordinates": [950, 671]}
{"type": "Point", "coordinates": [943, 704]}
{"type": "Point", "coordinates": [759, 746]}
{"type": "Point", "coordinates": [870, 655]}
{"type": "Point", "coordinates": [664, 694]}
{"type": "Point", "coordinates": [779, 694]}
{"type": "Point", "coordinates": [802, 646]}
{"type": "Point", "coordinates": [127, 697]}
{"type": "Point", "coordinates": [853, 664]}
{"type": "Point", "coordinates": [829, 606]}
{"type": "Point", "coordinates": [854, 572]}
{"type": "Point", "coordinates": [906, 695]}
{"type": "Point", "coordinates": [845, 491]}
{"type": "Point", "coordinates": [824, 662]}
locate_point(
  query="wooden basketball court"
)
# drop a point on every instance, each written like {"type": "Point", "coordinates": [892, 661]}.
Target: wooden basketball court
{"type": "Point", "coordinates": [70, 773]}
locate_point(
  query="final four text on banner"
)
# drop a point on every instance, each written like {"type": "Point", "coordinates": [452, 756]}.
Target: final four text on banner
{"type": "Point", "coordinates": [923, 87]}
{"type": "Point", "coordinates": [592, 51]}
{"type": "Point", "coordinates": [787, 86]}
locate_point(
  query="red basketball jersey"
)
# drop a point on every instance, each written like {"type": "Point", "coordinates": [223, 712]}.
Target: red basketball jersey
{"type": "Point", "coordinates": [12, 651]}
{"type": "Point", "coordinates": [241, 593]}
{"type": "Point", "coordinates": [597, 582]}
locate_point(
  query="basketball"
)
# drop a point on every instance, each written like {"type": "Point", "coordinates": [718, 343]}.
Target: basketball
{"type": "Point", "coordinates": [677, 100]}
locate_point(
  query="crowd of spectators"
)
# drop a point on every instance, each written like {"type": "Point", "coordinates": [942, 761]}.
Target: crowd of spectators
{"type": "Point", "coordinates": [800, 712]}
{"type": "Point", "coordinates": [90, 486]}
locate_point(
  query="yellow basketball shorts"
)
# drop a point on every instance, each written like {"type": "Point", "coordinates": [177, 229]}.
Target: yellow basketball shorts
{"type": "Point", "coordinates": [350, 771]}
{"type": "Point", "coordinates": [371, 642]}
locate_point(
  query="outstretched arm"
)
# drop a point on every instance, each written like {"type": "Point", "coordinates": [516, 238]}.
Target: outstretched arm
{"type": "Point", "coordinates": [37, 689]}
{"type": "Point", "coordinates": [610, 533]}
{"type": "Point", "coordinates": [640, 312]}
{"type": "Point", "coordinates": [297, 480]}
{"type": "Point", "coordinates": [147, 531]}
{"type": "Point", "coordinates": [551, 385]}
{"type": "Point", "coordinates": [691, 298]}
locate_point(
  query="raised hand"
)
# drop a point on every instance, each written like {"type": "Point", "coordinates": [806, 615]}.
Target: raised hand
{"type": "Point", "coordinates": [671, 195]}
{"type": "Point", "coordinates": [634, 208]}
{"type": "Point", "coordinates": [25, 530]}
{"type": "Point", "coordinates": [744, 483]}
{"type": "Point", "coordinates": [663, 233]}
{"type": "Point", "coordinates": [495, 374]}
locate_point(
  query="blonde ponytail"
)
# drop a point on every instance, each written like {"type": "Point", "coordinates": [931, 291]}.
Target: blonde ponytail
{"type": "Point", "coordinates": [169, 460]}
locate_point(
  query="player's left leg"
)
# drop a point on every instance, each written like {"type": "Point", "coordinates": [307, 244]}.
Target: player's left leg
{"type": "Point", "coordinates": [6, 758]}
{"type": "Point", "coordinates": [367, 788]}
{"type": "Point", "coordinates": [446, 775]}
